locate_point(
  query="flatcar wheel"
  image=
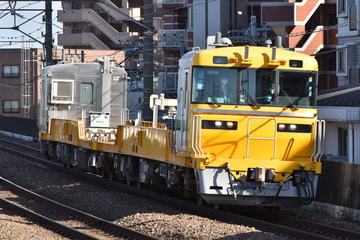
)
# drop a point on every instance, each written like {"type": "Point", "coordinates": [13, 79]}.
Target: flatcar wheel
{"type": "Point", "coordinates": [103, 173]}
{"type": "Point", "coordinates": [111, 175]}
{"type": "Point", "coordinates": [128, 181]}
{"type": "Point", "coordinates": [216, 206]}
{"type": "Point", "coordinates": [199, 200]}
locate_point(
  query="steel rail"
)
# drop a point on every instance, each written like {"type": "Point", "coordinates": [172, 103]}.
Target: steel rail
{"type": "Point", "coordinates": [85, 217]}
{"type": "Point", "coordinates": [45, 222]}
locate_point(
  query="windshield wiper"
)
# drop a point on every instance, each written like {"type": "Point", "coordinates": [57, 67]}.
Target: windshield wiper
{"type": "Point", "coordinates": [292, 104]}
{"type": "Point", "coordinates": [212, 98]}
{"type": "Point", "coordinates": [252, 99]}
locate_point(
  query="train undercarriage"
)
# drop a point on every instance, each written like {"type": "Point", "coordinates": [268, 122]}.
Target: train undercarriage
{"type": "Point", "coordinates": [130, 169]}
{"type": "Point", "coordinates": [190, 182]}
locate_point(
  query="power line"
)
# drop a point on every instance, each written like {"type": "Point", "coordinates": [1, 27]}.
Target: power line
{"type": "Point", "coordinates": [35, 34]}
{"type": "Point", "coordinates": [21, 84]}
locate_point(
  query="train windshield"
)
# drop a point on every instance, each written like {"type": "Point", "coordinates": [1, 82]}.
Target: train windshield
{"type": "Point", "coordinates": [253, 87]}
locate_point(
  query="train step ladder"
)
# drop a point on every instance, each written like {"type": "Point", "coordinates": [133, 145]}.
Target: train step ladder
{"type": "Point", "coordinates": [261, 129]}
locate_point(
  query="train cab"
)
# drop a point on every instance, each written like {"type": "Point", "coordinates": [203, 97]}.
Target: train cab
{"type": "Point", "coordinates": [249, 113]}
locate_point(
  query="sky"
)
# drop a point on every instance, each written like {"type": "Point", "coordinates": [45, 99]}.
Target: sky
{"type": "Point", "coordinates": [28, 17]}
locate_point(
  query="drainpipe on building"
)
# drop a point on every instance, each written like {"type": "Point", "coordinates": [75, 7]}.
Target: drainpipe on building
{"type": "Point", "coordinates": [350, 143]}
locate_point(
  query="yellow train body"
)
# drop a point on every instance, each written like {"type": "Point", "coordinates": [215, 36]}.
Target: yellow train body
{"type": "Point", "coordinates": [250, 150]}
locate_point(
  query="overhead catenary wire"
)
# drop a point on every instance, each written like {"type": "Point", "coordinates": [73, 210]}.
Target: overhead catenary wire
{"type": "Point", "coordinates": [21, 84]}
{"type": "Point", "coordinates": [201, 40]}
{"type": "Point", "coordinates": [29, 6]}
{"type": "Point", "coordinates": [297, 34]}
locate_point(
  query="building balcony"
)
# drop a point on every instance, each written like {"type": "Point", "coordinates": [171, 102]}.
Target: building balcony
{"type": "Point", "coordinates": [121, 14]}
{"type": "Point", "coordinates": [290, 18]}
{"type": "Point", "coordinates": [170, 3]}
{"type": "Point", "coordinates": [94, 19]}
{"type": "Point", "coordinates": [314, 43]}
{"type": "Point", "coordinates": [81, 39]}
{"type": "Point", "coordinates": [288, 13]}
{"type": "Point", "coordinates": [90, 40]}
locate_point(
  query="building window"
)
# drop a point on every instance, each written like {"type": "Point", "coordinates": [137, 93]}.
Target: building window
{"type": "Point", "coordinates": [191, 17]}
{"type": "Point", "coordinates": [11, 106]}
{"type": "Point", "coordinates": [342, 141]}
{"type": "Point", "coordinates": [341, 8]}
{"type": "Point", "coordinates": [332, 18]}
{"type": "Point", "coordinates": [352, 18]}
{"type": "Point", "coordinates": [341, 63]}
{"type": "Point", "coordinates": [11, 71]}
{"type": "Point", "coordinates": [79, 6]}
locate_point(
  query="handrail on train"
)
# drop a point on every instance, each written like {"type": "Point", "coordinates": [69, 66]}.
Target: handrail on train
{"type": "Point", "coordinates": [196, 136]}
{"type": "Point", "coordinates": [319, 143]}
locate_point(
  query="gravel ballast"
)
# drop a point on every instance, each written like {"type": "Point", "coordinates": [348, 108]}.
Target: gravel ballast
{"type": "Point", "coordinates": [137, 213]}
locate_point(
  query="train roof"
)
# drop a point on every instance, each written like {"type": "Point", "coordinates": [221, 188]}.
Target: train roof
{"type": "Point", "coordinates": [70, 70]}
{"type": "Point", "coordinates": [256, 57]}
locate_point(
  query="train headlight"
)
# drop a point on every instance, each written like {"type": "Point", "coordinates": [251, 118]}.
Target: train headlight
{"type": "Point", "coordinates": [292, 127]}
{"type": "Point", "coordinates": [229, 124]}
{"type": "Point", "coordinates": [281, 127]}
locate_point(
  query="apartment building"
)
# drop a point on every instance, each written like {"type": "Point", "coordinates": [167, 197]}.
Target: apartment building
{"type": "Point", "coordinates": [348, 58]}
{"type": "Point", "coordinates": [18, 82]}
{"type": "Point", "coordinates": [340, 107]}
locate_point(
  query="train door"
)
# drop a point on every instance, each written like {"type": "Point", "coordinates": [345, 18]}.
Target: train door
{"type": "Point", "coordinates": [182, 111]}
{"type": "Point", "coordinates": [183, 104]}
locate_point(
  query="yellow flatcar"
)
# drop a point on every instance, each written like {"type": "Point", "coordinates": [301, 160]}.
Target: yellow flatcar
{"type": "Point", "coordinates": [242, 131]}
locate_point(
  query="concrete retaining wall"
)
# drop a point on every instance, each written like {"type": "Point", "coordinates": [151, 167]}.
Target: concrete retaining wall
{"type": "Point", "coordinates": [21, 126]}
{"type": "Point", "coordinates": [339, 184]}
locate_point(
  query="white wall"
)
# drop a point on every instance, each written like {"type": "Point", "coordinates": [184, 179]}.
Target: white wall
{"type": "Point", "coordinates": [332, 144]}
{"type": "Point", "coordinates": [331, 139]}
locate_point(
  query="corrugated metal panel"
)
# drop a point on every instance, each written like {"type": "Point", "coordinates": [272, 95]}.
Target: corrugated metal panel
{"type": "Point", "coordinates": [341, 114]}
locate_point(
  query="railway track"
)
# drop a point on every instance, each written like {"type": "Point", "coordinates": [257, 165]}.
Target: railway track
{"type": "Point", "coordinates": [298, 228]}
{"type": "Point", "coordinates": [293, 227]}
{"type": "Point", "coordinates": [60, 218]}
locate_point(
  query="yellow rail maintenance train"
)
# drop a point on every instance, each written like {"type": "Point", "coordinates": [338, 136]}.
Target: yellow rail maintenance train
{"type": "Point", "coordinates": [242, 131]}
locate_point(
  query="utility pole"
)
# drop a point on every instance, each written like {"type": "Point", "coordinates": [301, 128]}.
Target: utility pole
{"type": "Point", "coordinates": [48, 45]}
{"type": "Point", "coordinates": [148, 57]}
